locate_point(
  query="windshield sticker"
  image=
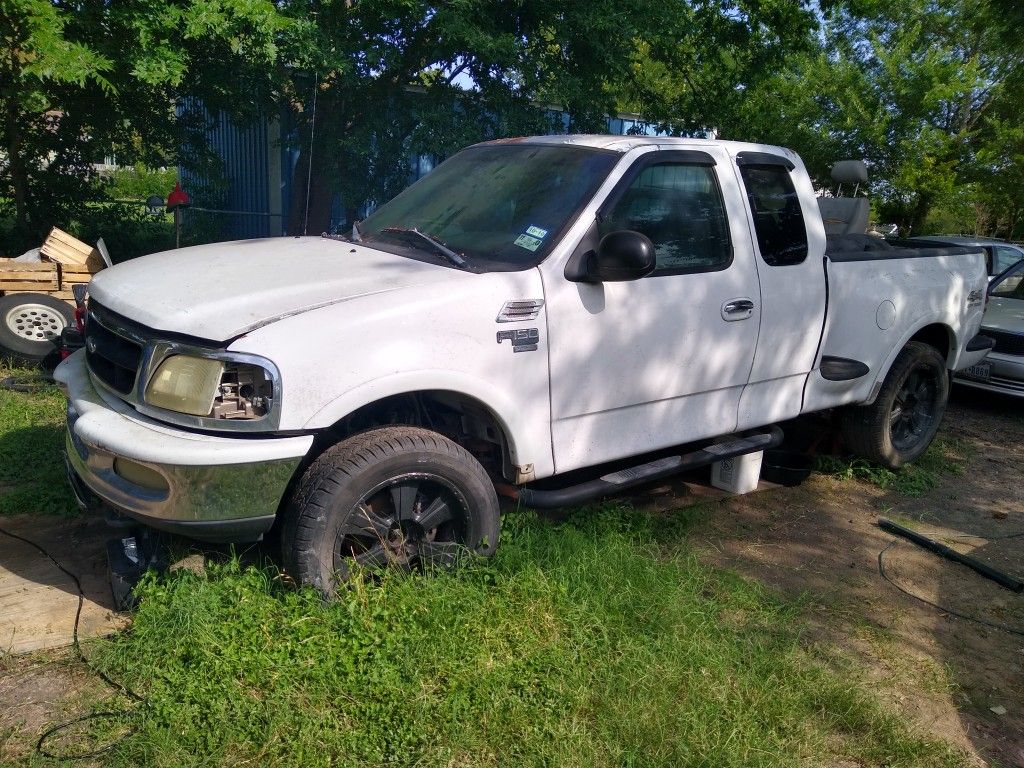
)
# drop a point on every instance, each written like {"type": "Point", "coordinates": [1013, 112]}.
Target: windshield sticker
{"type": "Point", "coordinates": [537, 232]}
{"type": "Point", "coordinates": [527, 242]}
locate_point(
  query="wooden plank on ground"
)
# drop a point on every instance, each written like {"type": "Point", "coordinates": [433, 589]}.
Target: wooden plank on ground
{"type": "Point", "coordinates": [38, 601]}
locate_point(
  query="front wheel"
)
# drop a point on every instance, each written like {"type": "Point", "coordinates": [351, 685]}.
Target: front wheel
{"type": "Point", "coordinates": [399, 497]}
{"type": "Point", "coordinates": [900, 425]}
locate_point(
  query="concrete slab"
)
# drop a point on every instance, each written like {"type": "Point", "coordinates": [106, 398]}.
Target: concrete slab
{"type": "Point", "coordinates": [38, 601]}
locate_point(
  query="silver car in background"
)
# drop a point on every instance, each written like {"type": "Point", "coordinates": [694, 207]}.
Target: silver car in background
{"type": "Point", "coordinates": [999, 254]}
{"type": "Point", "coordinates": [1003, 369]}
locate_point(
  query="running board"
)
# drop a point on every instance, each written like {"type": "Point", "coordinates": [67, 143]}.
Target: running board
{"type": "Point", "coordinates": [615, 482]}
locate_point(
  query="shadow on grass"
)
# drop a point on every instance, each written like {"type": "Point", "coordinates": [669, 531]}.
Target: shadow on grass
{"type": "Point", "coordinates": [32, 474]}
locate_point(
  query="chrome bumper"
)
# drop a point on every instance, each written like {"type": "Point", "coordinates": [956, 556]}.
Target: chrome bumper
{"type": "Point", "coordinates": [1006, 376]}
{"type": "Point", "coordinates": [207, 487]}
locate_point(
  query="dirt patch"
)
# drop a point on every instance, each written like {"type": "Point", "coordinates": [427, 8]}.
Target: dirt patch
{"type": "Point", "coordinates": [38, 690]}
{"type": "Point", "coordinates": [956, 679]}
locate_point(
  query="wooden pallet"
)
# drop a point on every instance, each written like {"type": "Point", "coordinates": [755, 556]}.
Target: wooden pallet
{"type": "Point", "coordinates": [67, 262]}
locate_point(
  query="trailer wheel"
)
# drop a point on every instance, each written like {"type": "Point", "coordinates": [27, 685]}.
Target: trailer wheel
{"type": "Point", "coordinates": [396, 497]}
{"type": "Point", "coordinates": [900, 425]}
{"type": "Point", "coordinates": [30, 325]}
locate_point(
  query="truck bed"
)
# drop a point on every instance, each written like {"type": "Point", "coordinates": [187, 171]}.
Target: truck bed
{"type": "Point", "coordinates": [843, 248]}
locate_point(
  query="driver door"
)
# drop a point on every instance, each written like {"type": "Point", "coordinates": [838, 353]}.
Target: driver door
{"type": "Point", "coordinates": [645, 364]}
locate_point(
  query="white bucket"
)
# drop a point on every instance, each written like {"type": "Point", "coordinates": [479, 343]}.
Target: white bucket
{"type": "Point", "coordinates": [739, 474]}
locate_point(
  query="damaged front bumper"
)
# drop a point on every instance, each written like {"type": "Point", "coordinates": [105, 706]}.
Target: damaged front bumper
{"type": "Point", "coordinates": [203, 486]}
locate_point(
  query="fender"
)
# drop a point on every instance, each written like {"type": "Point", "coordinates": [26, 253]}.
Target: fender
{"type": "Point", "coordinates": [950, 355]}
{"type": "Point", "coordinates": [527, 443]}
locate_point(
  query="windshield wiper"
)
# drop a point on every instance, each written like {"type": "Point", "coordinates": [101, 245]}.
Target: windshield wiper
{"type": "Point", "coordinates": [435, 243]}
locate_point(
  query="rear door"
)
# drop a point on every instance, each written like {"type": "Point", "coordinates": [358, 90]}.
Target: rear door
{"type": "Point", "coordinates": [645, 364]}
{"type": "Point", "coordinates": [788, 237]}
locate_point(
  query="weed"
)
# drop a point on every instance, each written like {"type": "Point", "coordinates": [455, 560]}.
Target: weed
{"type": "Point", "coordinates": [581, 644]}
{"type": "Point", "coordinates": [943, 457]}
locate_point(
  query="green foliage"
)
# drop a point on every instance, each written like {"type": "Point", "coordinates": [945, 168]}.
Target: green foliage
{"type": "Point", "coordinates": [924, 92]}
{"type": "Point", "coordinates": [139, 182]}
{"type": "Point", "coordinates": [601, 641]}
{"type": "Point", "coordinates": [104, 79]}
{"type": "Point", "coordinates": [32, 476]}
{"type": "Point", "coordinates": [943, 457]}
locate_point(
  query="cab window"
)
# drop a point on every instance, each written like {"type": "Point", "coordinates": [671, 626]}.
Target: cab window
{"type": "Point", "coordinates": [679, 207]}
{"type": "Point", "coordinates": [778, 217]}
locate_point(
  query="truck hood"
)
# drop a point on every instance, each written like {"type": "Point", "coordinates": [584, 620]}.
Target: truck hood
{"type": "Point", "coordinates": [1004, 314]}
{"type": "Point", "coordinates": [221, 291]}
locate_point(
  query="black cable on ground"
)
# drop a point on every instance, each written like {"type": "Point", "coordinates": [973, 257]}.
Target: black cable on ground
{"type": "Point", "coordinates": [29, 384]}
{"type": "Point", "coordinates": [119, 687]}
{"type": "Point", "coordinates": [966, 617]}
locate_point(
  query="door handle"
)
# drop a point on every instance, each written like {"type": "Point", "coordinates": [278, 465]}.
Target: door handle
{"type": "Point", "coordinates": [737, 309]}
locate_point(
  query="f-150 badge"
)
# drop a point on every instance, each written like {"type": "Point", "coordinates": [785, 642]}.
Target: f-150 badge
{"type": "Point", "coordinates": [523, 339]}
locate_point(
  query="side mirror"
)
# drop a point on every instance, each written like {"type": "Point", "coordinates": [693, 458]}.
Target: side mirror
{"type": "Point", "coordinates": [620, 256]}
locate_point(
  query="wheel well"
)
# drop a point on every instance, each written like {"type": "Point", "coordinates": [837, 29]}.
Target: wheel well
{"type": "Point", "coordinates": [938, 336]}
{"type": "Point", "coordinates": [460, 418]}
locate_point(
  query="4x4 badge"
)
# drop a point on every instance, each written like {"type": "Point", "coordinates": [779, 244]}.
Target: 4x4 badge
{"type": "Point", "coordinates": [523, 339]}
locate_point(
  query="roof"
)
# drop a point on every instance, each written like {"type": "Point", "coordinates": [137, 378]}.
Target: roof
{"type": "Point", "coordinates": [626, 143]}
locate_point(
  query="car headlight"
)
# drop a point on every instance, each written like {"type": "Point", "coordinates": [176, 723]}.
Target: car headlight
{"type": "Point", "coordinates": [211, 388]}
{"type": "Point", "coordinates": [185, 384]}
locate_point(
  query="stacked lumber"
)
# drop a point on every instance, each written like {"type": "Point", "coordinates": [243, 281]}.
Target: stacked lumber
{"type": "Point", "coordinates": [67, 261]}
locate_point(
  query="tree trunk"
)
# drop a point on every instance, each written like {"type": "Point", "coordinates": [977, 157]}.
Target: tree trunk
{"type": "Point", "coordinates": [918, 214]}
{"type": "Point", "coordinates": [19, 175]}
{"type": "Point", "coordinates": [310, 213]}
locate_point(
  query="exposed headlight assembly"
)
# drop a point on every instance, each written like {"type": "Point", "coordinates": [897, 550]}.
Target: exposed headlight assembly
{"type": "Point", "coordinates": [214, 389]}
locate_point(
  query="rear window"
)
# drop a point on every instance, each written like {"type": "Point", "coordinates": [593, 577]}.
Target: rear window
{"type": "Point", "coordinates": [778, 218]}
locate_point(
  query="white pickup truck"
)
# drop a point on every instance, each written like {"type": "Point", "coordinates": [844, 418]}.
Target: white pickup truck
{"type": "Point", "coordinates": [530, 308]}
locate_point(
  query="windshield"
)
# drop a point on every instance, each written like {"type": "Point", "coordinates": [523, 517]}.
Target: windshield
{"type": "Point", "coordinates": [499, 206]}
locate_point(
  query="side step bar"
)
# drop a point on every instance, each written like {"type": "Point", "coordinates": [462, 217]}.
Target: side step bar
{"type": "Point", "coordinates": [644, 473]}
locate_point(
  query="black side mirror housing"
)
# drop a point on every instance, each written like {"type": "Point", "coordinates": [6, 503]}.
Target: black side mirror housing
{"type": "Point", "coordinates": [620, 256]}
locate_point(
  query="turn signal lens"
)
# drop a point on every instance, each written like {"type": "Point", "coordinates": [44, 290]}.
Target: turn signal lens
{"type": "Point", "coordinates": [140, 475]}
{"type": "Point", "coordinates": [185, 385]}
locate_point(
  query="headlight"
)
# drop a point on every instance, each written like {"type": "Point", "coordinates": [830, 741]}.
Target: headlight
{"type": "Point", "coordinates": [211, 389]}
{"type": "Point", "coordinates": [185, 384]}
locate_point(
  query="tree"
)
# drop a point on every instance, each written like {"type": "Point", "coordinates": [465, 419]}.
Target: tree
{"type": "Point", "coordinates": [407, 78]}
{"type": "Point", "coordinates": [390, 79]}
{"type": "Point", "coordinates": [914, 87]}
{"type": "Point", "coordinates": [85, 80]}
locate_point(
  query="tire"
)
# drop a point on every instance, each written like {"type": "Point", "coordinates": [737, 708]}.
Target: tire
{"type": "Point", "coordinates": [901, 423]}
{"type": "Point", "coordinates": [393, 497]}
{"type": "Point", "coordinates": [30, 325]}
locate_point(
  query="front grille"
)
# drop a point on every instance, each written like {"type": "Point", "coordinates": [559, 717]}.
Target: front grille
{"type": "Point", "coordinates": [111, 357]}
{"type": "Point", "coordinates": [1007, 343]}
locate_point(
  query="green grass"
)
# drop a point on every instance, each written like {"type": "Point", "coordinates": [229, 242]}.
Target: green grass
{"type": "Point", "coordinates": [32, 478]}
{"type": "Point", "coordinates": [943, 457]}
{"type": "Point", "coordinates": [601, 641]}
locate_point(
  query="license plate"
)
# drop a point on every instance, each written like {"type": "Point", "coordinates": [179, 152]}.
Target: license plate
{"type": "Point", "coordinates": [982, 371]}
